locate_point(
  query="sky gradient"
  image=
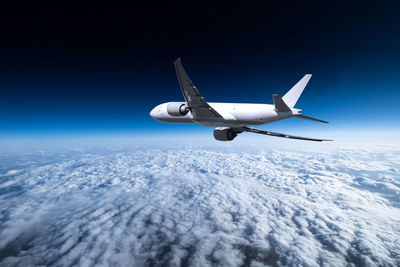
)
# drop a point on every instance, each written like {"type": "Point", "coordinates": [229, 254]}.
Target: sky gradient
{"type": "Point", "coordinates": [102, 71]}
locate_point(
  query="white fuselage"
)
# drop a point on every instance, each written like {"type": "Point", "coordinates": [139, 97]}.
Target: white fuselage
{"type": "Point", "coordinates": [234, 115]}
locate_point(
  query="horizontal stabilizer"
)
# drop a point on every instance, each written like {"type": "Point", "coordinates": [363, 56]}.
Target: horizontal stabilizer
{"type": "Point", "coordinates": [293, 94]}
{"type": "Point", "coordinates": [280, 105]}
{"type": "Point", "coordinates": [309, 118]}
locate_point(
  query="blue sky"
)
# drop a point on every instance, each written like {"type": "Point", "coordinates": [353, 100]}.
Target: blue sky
{"type": "Point", "coordinates": [84, 74]}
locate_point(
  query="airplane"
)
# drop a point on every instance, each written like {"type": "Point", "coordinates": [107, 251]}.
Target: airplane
{"type": "Point", "coordinates": [231, 119]}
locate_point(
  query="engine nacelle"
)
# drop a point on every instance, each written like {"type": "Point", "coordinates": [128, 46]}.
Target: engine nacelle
{"type": "Point", "coordinates": [224, 134]}
{"type": "Point", "coordinates": [177, 108]}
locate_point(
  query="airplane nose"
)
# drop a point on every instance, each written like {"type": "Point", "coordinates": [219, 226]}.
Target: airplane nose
{"type": "Point", "coordinates": [153, 113]}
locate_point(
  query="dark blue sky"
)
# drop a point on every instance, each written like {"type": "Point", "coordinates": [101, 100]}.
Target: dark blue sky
{"type": "Point", "coordinates": [64, 70]}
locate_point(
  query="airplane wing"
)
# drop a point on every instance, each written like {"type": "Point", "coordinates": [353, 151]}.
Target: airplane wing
{"type": "Point", "coordinates": [259, 131]}
{"type": "Point", "coordinates": [195, 101]}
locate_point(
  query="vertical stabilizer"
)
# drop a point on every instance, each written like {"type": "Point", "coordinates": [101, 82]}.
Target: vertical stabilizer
{"type": "Point", "coordinates": [293, 94]}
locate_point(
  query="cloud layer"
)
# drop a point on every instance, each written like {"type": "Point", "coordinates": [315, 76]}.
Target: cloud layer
{"type": "Point", "coordinates": [200, 207]}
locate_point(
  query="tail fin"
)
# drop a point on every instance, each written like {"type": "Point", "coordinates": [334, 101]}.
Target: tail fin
{"type": "Point", "coordinates": [293, 94]}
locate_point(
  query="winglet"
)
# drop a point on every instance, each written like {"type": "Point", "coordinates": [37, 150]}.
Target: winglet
{"type": "Point", "coordinates": [293, 94]}
{"type": "Point", "coordinates": [280, 105]}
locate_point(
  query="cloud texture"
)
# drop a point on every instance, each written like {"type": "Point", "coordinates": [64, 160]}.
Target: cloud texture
{"type": "Point", "coordinates": [200, 207]}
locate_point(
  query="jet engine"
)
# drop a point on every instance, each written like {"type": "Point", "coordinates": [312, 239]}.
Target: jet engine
{"type": "Point", "coordinates": [224, 134]}
{"type": "Point", "coordinates": [177, 108]}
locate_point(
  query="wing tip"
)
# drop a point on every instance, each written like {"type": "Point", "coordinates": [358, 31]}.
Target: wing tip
{"type": "Point", "coordinates": [326, 140]}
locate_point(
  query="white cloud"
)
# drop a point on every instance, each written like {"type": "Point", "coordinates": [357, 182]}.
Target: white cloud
{"type": "Point", "coordinates": [202, 207]}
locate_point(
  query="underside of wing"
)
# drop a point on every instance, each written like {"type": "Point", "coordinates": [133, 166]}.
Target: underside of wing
{"type": "Point", "coordinates": [195, 101]}
{"type": "Point", "coordinates": [260, 131]}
